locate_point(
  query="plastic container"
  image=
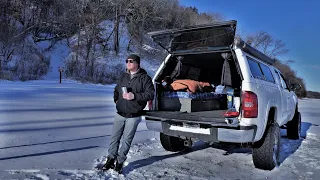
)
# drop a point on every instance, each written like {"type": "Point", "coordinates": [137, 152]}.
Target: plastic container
{"type": "Point", "coordinates": [230, 94]}
{"type": "Point", "coordinates": [219, 89]}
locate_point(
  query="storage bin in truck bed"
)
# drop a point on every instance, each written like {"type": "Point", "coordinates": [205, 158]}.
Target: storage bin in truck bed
{"type": "Point", "coordinates": [192, 102]}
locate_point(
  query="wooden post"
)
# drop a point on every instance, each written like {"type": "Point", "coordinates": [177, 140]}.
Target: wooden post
{"type": "Point", "coordinates": [60, 71]}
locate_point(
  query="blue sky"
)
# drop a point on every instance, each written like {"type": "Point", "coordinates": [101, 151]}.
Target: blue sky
{"type": "Point", "coordinates": [295, 22]}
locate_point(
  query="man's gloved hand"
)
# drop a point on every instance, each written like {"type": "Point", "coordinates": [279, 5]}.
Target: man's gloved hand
{"type": "Point", "coordinates": [128, 96]}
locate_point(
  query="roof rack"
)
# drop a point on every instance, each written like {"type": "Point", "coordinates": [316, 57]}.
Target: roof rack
{"type": "Point", "coordinates": [238, 42]}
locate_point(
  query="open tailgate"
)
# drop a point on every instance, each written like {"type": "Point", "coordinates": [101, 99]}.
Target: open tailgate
{"type": "Point", "coordinates": [183, 117]}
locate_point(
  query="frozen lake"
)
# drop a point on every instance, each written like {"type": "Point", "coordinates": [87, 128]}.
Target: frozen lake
{"type": "Point", "coordinates": [60, 131]}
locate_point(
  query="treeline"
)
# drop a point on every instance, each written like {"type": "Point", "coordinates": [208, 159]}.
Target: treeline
{"type": "Point", "coordinates": [313, 94]}
{"type": "Point", "coordinates": [23, 23]}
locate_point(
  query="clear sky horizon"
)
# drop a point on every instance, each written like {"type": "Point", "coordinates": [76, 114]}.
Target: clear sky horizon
{"type": "Point", "coordinates": [294, 22]}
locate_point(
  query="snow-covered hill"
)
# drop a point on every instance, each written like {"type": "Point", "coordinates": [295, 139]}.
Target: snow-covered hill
{"type": "Point", "coordinates": [57, 55]}
{"type": "Point", "coordinates": [107, 64]}
{"type": "Point", "coordinates": [21, 58]}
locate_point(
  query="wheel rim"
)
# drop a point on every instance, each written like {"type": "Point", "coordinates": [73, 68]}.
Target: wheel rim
{"type": "Point", "coordinates": [275, 154]}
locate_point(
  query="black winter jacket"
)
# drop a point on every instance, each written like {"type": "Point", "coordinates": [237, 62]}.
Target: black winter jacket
{"type": "Point", "coordinates": [141, 86]}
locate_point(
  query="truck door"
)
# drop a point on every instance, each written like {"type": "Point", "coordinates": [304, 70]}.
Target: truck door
{"type": "Point", "coordinates": [286, 98]}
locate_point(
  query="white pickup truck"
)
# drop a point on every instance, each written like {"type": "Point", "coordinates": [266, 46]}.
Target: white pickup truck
{"type": "Point", "coordinates": [248, 101]}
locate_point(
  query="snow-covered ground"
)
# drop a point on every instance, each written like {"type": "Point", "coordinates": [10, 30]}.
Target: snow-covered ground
{"type": "Point", "coordinates": [61, 131]}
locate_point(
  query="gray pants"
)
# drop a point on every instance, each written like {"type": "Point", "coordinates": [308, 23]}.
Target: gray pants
{"type": "Point", "coordinates": [125, 127]}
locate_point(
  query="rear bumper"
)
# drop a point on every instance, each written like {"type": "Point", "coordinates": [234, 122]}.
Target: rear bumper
{"type": "Point", "coordinates": [211, 133]}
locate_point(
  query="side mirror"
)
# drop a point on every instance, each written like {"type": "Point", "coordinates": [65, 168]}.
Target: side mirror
{"type": "Point", "coordinates": [295, 87]}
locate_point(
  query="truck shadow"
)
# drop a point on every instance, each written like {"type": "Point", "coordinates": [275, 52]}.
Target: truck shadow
{"type": "Point", "coordinates": [148, 161]}
{"type": "Point", "coordinates": [288, 147]}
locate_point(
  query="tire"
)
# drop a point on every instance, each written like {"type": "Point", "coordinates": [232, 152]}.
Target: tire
{"type": "Point", "coordinates": [294, 126]}
{"type": "Point", "coordinates": [265, 153]}
{"type": "Point", "coordinates": [171, 143]}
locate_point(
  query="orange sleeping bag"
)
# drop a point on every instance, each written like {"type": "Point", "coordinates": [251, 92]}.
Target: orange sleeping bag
{"type": "Point", "coordinates": [191, 85]}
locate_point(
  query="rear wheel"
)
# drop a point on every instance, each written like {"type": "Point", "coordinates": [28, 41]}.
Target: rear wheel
{"type": "Point", "coordinates": [265, 153]}
{"type": "Point", "coordinates": [171, 143]}
{"type": "Point", "coordinates": [294, 126]}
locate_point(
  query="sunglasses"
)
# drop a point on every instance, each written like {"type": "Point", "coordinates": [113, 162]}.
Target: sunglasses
{"type": "Point", "coordinates": [130, 61]}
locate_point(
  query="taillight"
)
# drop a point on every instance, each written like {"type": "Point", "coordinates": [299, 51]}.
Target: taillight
{"type": "Point", "coordinates": [249, 104]}
{"type": "Point", "coordinates": [149, 105]}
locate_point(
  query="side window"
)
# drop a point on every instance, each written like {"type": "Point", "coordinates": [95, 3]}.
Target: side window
{"type": "Point", "coordinates": [255, 69]}
{"type": "Point", "coordinates": [283, 82]}
{"type": "Point", "coordinates": [278, 77]}
{"type": "Point", "coordinates": [267, 73]}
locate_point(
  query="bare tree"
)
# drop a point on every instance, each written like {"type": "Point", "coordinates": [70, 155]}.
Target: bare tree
{"type": "Point", "coordinates": [267, 44]}
{"type": "Point", "coordinates": [273, 48]}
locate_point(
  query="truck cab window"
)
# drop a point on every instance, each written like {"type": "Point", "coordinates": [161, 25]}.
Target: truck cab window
{"type": "Point", "coordinates": [283, 82]}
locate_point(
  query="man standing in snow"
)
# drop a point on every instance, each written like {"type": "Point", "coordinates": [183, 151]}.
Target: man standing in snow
{"type": "Point", "coordinates": [138, 90]}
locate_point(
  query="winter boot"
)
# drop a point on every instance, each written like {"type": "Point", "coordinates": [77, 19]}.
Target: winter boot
{"type": "Point", "coordinates": [118, 167]}
{"type": "Point", "coordinates": [109, 164]}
